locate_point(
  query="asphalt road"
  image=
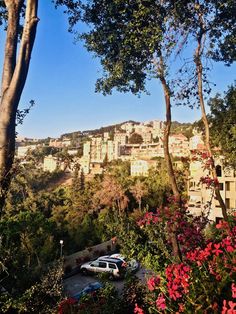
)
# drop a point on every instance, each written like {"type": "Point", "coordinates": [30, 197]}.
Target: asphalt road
{"type": "Point", "coordinates": [76, 283]}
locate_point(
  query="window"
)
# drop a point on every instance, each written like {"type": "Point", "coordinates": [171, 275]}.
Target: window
{"type": "Point", "coordinates": [102, 264]}
{"type": "Point", "coordinates": [227, 203]}
{"type": "Point", "coordinates": [94, 264]}
{"type": "Point", "coordinates": [113, 266]}
{"type": "Point", "coordinates": [218, 171]}
{"type": "Point", "coordinates": [229, 185]}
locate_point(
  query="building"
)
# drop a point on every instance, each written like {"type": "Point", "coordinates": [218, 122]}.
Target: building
{"type": "Point", "coordinates": [50, 163]}
{"type": "Point", "coordinates": [55, 143]}
{"type": "Point", "coordinates": [106, 136]}
{"type": "Point", "coordinates": [196, 143]}
{"type": "Point", "coordinates": [178, 145]}
{"type": "Point", "coordinates": [23, 150]}
{"type": "Point", "coordinates": [140, 167]}
{"type": "Point", "coordinates": [200, 195]}
{"type": "Point", "coordinates": [120, 137]}
{"type": "Point", "coordinates": [85, 164]}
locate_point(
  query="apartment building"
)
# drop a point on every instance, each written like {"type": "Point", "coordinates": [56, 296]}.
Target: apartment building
{"type": "Point", "coordinates": [200, 195]}
{"type": "Point", "coordinates": [97, 150]}
{"type": "Point", "coordinates": [140, 167]}
{"type": "Point", "coordinates": [23, 150]}
{"type": "Point", "coordinates": [121, 137]}
{"type": "Point", "coordinates": [178, 145]}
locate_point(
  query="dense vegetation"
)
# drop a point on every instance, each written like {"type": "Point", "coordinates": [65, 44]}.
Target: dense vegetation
{"type": "Point", "coordinates": [38, 214]}
{"type": "Point", "coordinates": [192, 263]}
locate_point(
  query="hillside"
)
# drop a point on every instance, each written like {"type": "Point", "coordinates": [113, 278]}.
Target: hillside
{"type": "Point", "coordinates": [100, 131]}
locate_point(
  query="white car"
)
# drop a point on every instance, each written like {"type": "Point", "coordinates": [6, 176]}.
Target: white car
{"type": "Point", "coordinates": [132, 265]}
{"type": "Point", "coordinates": [114, 266]}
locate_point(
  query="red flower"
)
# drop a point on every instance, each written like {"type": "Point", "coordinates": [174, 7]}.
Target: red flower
{"type": "Point", "coordinates": [231, 310]}
{"type": "Point", "coordinates": [233, 287]}
{"type": "Point", "coordinates": [216, 250]}
{"type": "Point", "coordinates": [161, 302]}
{"type": "Point", "coordinates": [153, 282]}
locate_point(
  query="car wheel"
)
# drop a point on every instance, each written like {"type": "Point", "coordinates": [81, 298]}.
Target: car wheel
{"type": "Point", "coordinates": [84, 271]}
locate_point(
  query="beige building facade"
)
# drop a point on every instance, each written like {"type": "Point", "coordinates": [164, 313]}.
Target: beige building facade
{"type": "Point", "coordinates": [200, 196]}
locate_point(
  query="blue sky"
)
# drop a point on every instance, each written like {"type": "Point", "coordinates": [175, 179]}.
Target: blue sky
{"type": "Point", "coordinates": [61, 80]}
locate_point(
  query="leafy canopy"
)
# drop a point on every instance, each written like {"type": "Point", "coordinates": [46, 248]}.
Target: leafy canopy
{"type": "Point", "coordinates": [126, 36]}
{"type": "Point", "coordinates": [223, 125]}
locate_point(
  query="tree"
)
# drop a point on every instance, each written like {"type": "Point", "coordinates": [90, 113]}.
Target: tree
{"type": "Point", "coordinates": [135, 138]}
{"type": "Point", "coordinates": [14, 76]}
{"type": "Point", "coordinates": [14, 73]}
{"type": "Point", "coordinates": [27, 244]}
{"type": "Point", "coordinates": [211, 24]}
{"type": "Point", "coordinates": [42, 297]}
{"type": "Point", "coordinates": [223, 123]}
{"type": "Point", "coordinates": [129, 39]}
{"type": "Point", "coordinates": [112, 194]}
{"type": "Point", "coordinates": [139, 190]}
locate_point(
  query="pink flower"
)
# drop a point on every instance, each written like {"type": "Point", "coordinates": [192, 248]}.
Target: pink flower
{"type": "Point", "coordinates": [231, 309]}
{"type": "Point", "coordinates": [228, 245]}
{"type": "Point", "coordinates": [181, 308]}
{"type": "Point", "coordinates": [138, 310]}
{"type": "Point", "coordinates": [224, 308]}
{"type": "Point", "coordinates": [233, 287]}
{"type": "Point", "coordinates": [161, 302]}
{"type": "Point", "coordinates": [217, 251]}
{"type": "Point", "coordinates": [153, 282]}
{"type": "Point", "coordinates": [232, 306]}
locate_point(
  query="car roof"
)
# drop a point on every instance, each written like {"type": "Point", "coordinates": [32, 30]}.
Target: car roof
{"type": "Point", "coordinates": [110, 260]}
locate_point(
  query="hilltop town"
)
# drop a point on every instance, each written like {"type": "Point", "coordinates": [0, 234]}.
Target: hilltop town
{"type": "Point", "coordinates": [139, 143]}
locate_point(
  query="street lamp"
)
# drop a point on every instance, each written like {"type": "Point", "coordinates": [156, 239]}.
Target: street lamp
{"type": "Point", "coordinates": [61, 243]}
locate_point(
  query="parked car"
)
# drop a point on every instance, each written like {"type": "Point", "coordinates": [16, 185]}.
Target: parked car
{"type": "Point", "coordinates": [114, 266]}
{"type": "Point", "coordinates": [131, 265]}
{"type": "Point", "coordinates": [89, 289]}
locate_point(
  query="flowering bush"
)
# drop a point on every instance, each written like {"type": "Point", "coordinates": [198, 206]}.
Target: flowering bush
{"type": "Point", "coordinates": [204, 282]}
{"type": "Point", "coordinates": [189, 229]}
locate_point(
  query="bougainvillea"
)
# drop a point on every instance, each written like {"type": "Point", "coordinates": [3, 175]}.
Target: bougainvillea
{"type": "Point", "coordinates": [204, 282]}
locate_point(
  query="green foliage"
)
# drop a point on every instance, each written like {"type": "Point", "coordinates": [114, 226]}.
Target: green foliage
{"type": "Point", "coordinates": [27, 244]}
{"type": "Point", "coordinates": [134, 292]}
{"type": "Point", "coordinates": [158, 186]}
{"type": "Point", "coordinates": [183, 128]}
{"type": "Point", "coordinates": [31, 190]}
{"type": "Point", "coordinates": [135, 138]}
{"type": "Point", "coordinates": [106, 301]}
{"type": "Point", "coordinates": [125, 36]}
{"type": "Point", "coordinates": [42, 297]}
{"type": "Point", "coordinates": [37, 155]}
{"type": "Point", "coordinates": [223, 126]}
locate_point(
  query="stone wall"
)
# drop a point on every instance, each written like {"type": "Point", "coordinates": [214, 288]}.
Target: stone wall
{"type": "Point", "coordinates": [73, 261]}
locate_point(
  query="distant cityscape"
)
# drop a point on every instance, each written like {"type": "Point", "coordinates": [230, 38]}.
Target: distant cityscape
{"type": "Point", "coordinates": [141, 144]}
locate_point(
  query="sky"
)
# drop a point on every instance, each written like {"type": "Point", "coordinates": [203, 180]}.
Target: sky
{"type": "Point", "coordinates": [62, 78]}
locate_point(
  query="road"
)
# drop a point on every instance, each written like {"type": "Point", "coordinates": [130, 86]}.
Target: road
{"type": "Point", "coordinates": [76, 283]}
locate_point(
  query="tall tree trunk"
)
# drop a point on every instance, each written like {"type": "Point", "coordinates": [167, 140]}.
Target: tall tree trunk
{"type": "Point", "coordinates": [171, 174]}
{"type": "Point", "coordinates": [198, 63]}
{"type": "Point", "coordinates": [13, 80]}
